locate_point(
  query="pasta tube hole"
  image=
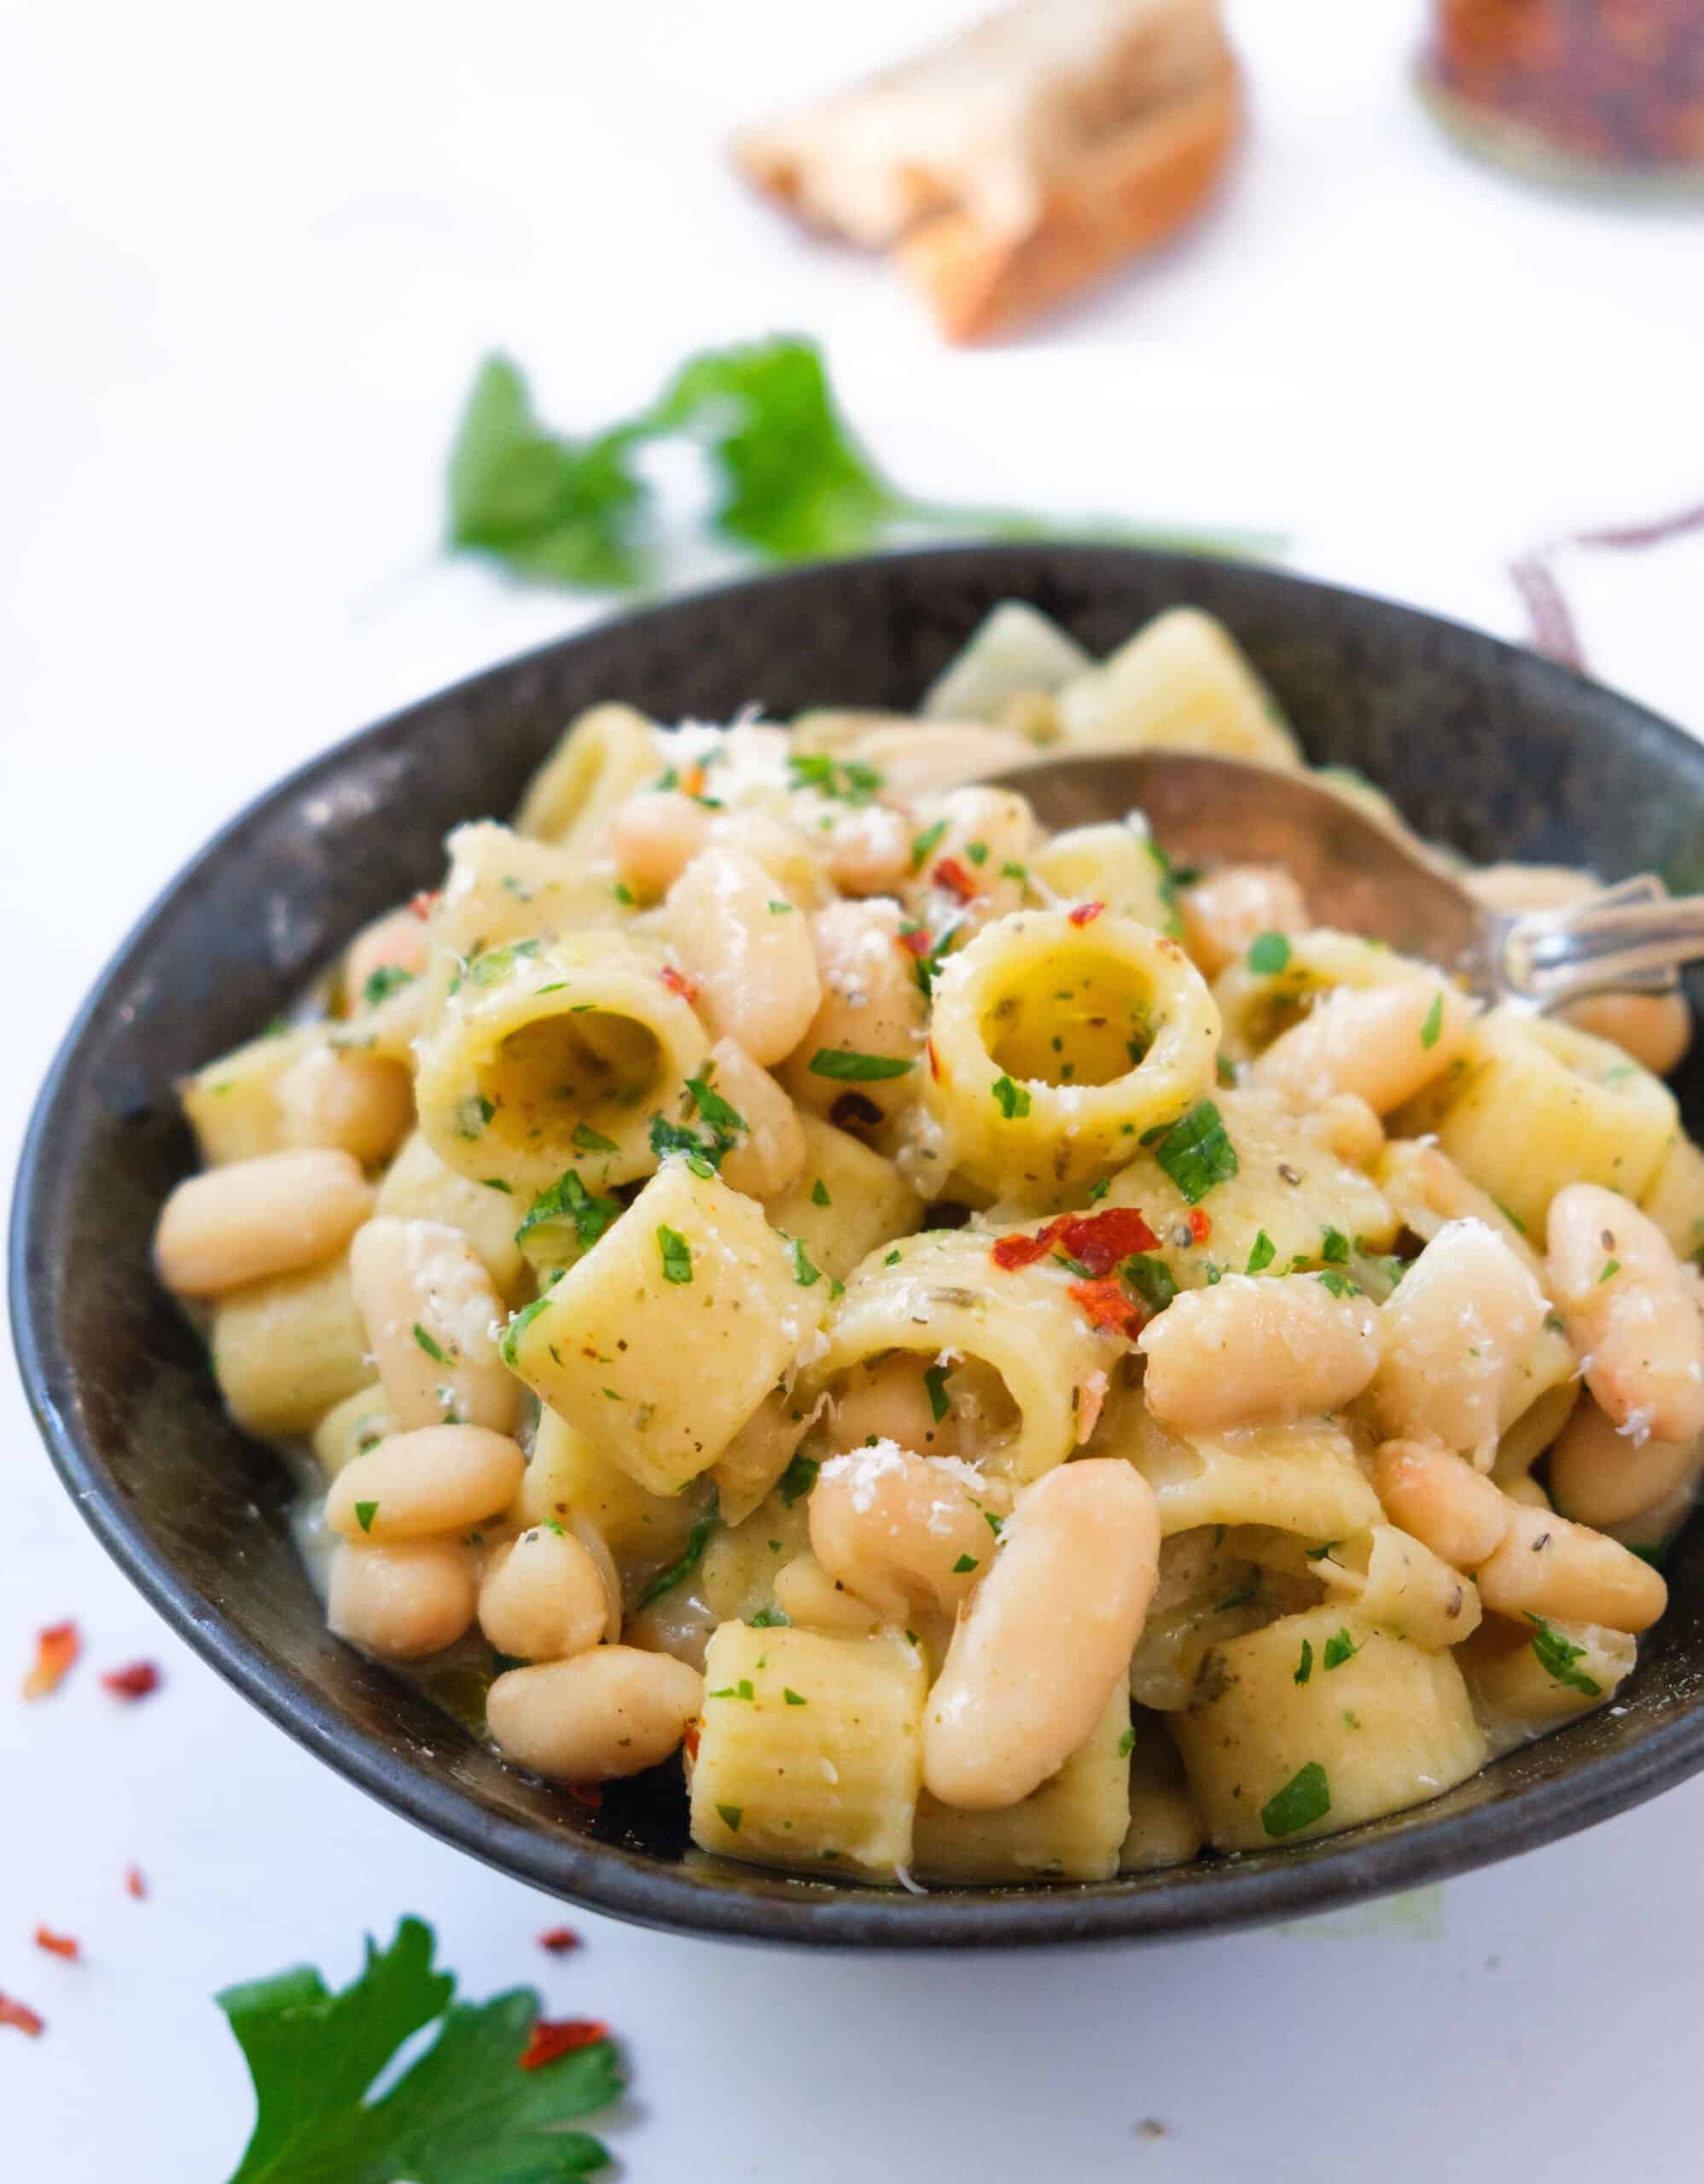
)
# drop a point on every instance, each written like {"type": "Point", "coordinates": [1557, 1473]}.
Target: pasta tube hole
{"type": "Point", "coordinates": [1089, 1022]}
{"type": "Point", "coordinates": [588, 1071]}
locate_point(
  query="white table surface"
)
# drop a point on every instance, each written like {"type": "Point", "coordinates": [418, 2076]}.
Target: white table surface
{"type": "Point", "coordinates": [248, 262]}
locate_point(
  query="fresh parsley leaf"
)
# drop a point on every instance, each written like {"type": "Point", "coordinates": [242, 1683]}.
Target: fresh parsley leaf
{"type": "Point", "coordinates": [1334, 1248]}
{"type": "Point", "coordinates": [677, 1572]}
{"type": "Point", "coordinates": [1610, 1267]}
{"type": "Point", "coordinates": [819, 1193]}
{"type": "Point", "coordinates": [768, 1618]}
{"type": "Point", "coordinates": [364, 1514]}
{"type": "Point", "coordinates": [1304, 1668]}
{"type": "Point", "coordinates": [798, 1478]}
{"type": "Point", "coordinates": [587, 1139]}
{"type": "Point", "coordinates": [676, 1255]}
{"type": "Point", "coordinates": [1557, 1656]}
{"type": "Point", "coordinates": [965, 1564]}
{"type": "Point", "coordinates": [1433, 1026]}
{"type": "Point", "coordinates": [568, 1202]}
{"type": "Point", "coordinates": [935, 1381]}
{"type": "Point", "coordinates": [463, 2112]}
{"type": "Point", "coordinates": [1151, 1279]}
{"type": "Point", "coordinates": [518, 1325]}
{"type": "Point", "coordinates": [846, 1068]}
{"type": "Point", "coordinates": [1262, 1256]}
{"type": "Point", "coordinates": [1339, 1648]}
{"type": "Point", "coordinates": [1269, 954]}
{"type": "Point", "coordinates": [803, 1272]}
{"type": "Point", "coordinates": [792, 1697]}
{"type": "Point", "coordinates": [1197, 1152]}
{"type": "Point", "coordinates": [426, 1342]}
{"type": "Point", "coordinates": [923, 844]}
{"type": "Point", "coordinates": [1128, 1742]}
{"type": "Point", "coordinates": [1339, 1284]}
{"type": "Point", "coordinates": [1012, 1100]}
{"type": "Point", "coordinates": [731, 1816]}
{"type": "Point", "coordinates": [719, 1114]}
{"type": "Point", "coordinates": [1304, 1798]}
{"type": "Point", "coordinates": [383, 983]}
{"type": "Point", "coordinates": [848, 781]}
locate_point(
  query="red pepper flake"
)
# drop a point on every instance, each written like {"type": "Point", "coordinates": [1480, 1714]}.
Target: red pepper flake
{"type": "Point", "coordinates": [423, 904]}
{"type": "Point", "coordinates": [134, 1883]}
{"type": "Point", "coordinates": [559, 1940]}
{"type": "Point", "coordinates": [1095, 1240]}
{"type": "Point", "coordinates": [952, 875]}
{"type": "Point", "coordinates": [934, 1064]}
{"type": "Point", "coordinates": [1201, 1227]}
{"type": "Point", "coordinates": [560, 2037]}
{"type": "Point", "coordinates": [678, 982]}
{"type": "Point", "coordinates": [692, 781]}
{"type": "Point", "coordinates": [57, 1944]}
{"type": "Point", "coordinates": [131, 1683]}
{"type": "Point", "coordinates": [1086, 913]}
{"type": "Point", "coordinates": [25, 2018]}
{"type": "Point", "coordinates": [917, 941]}
{"type": "Point", "coordinates": [589, 1794]}
{"type": "Point", "coordinates": [690, 1739]}
{"type": "Point", "coordinates": [1105, 1304]}
{"type": "Point", "coordinates": [56, 1651]}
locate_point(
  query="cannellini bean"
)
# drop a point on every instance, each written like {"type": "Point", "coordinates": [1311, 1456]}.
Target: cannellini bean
{"type": "Point", "coordinates": [592, 1540]}
{"type": "Point", "coordinates": [901, 1532]}
{"type": "Point", "coordinates": [780, 848]}
{"type": "Point", "coordinates": [871, 1004]}
{"type": "Point", "coordinates": [401, 1602]}
{"type": "Point", "coordinates": [1526, 1490]}
{"type": "Point", "coordinates": [1549, 1567]}
{"type": "Point", "coordinates": [361, 1104]}
{"type": "Point", "coordinates": [806, 1594]}
{"type": "Point", "coordinates": [1384, 1044]}
{"type": "Point", "coordinates": [434, 1323]}
{"type": "Point", "coordinates": [1255, 1346]}
{"type": "Point", "coordinates": [654, 836]}
{"type": "Point", "coordinates": [251, 1219]}
{"type": "Point", "coordinates": [396, 941]}
{"type": "Point", "coordinates": [440, 1478]}
{"type": "Point", "coordinates": [890, 1402]}
{"type": "Point", "coordinates": [1442, 1501]}
{"type": "Point", "coordinates": [1452, 1339]}
{"type": "Point", "coordinates": [1655, 1028]}
{"type": "Point", "coordinates": [613, 1712]}
{"type": "Point", "coordinates": [1232, 906]}
{"type": "Point", "coordinates": [1629, 1311]}
{"type": "Point", "coordinates": [867, 848]}
{"type": "Point", "coordinates": [771, 1153]}
{"type": "Point", "coordinates": [541, 1597]}
{"type": "Point", "coordinates": [755, 966]}
{"type": "Point", "coordinates": [1601, 1476]}
{"type": "Point", "coordinates": [1348, 1127]}
{"type": "Point", "coordinates": [1047, 1637]}
{"type": "Point", "coordinates": [986, 830]}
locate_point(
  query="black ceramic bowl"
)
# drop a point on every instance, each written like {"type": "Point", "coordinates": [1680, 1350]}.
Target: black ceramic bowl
{"type": "Point", "coordinates": [1482, 744]}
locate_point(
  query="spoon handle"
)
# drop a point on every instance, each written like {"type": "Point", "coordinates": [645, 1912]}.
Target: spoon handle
{"type": "Point", "coordinates": [1629, 938]}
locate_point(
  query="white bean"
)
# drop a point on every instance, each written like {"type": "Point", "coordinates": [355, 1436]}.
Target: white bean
{"type": "Point", "coordinates": [654, 836]}
{"type": "Point", "coordinates": [769, 1154]}
{"type": "Point", "coordinates": [434, 1323]}
{"type": "Point", "coordinates": [401, 1602]}
{"type": "Point", "coordinates": [755, 966]}
{"type": "Point", "coordinates": [870, 1004]}
{"type": "Point", "coordinates": [1382, 1042]}
{"type": "Point", "coordinates": [1348, 1129]}
{"type": "Point", "coordinates": [1629, 1311]}
{"type": "Point", "coordinates": [1256, 1346]}
{"type": "Point", "coordinates": [361, 1104]}
{"type": "Point", "coordinates": [1453, 1339]}
{"type": "Point", "coordinates": [1232, 906]}
{"type": "Point", "coordinates": [890, 1402]}
{"type": "Point", "coordinates": [1601, 1476]}
{"type": "Point", "coordinates": [1548, 1567]}
{"type": "Point", "coordinates": [438, 1479]}
{"type": "Point", "coordinates": [1047, 1637]}
{"type": "Point", "coordinates": [542, 1598]}
{"type": "Point", "coordinates": [806, 1594]}
{"type": "Point", "coordinates": [252, 1219]}
{"type": "Point", "coordinates": [1442, 1501]}
{"type": "Point", "coordinates": [613, 1712]}
{"type": "Point", "coordinates": [902, 1532]}
{"type": "Point", "coordinates": [867, 848]}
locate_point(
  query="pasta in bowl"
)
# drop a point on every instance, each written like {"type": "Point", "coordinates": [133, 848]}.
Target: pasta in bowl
{"type": "Point", "coordinates": [1027, 1364]}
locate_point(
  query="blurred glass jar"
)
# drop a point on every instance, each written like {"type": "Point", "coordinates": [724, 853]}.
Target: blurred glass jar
{"type": "Point", "coordinates": [1594, 92]}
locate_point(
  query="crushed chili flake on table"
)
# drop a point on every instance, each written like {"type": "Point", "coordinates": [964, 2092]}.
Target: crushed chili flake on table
{"type": "Point", "coordinates": [1095, 1240]}
{"type": "Point", "coordinates": [952, 875]}
{"type": "Point", "coordinates": [1086, 913]}
{"type": "Point", "coordinates": [135, 1884]}
{"type": "Point", "coordinates": [559, 1940]}
{"type": "Point", "coordinates": [1105, 1303]}
{"type": "Point", "coordinates": [678, 982]}
{"type": "Point", "coordinates": [135, 1682]}
{"type": "Point", "coordinates": [56, 1650]}
{"type": "Point", "coordinates": [560, 2037]}
{"type": "Point", "coordinates": [57, 1944]}
{"type": "Point", "coordinates": [22, 2016]}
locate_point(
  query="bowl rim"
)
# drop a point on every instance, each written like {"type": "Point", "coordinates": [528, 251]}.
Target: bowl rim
{"type": "Point", "coordinates": [762, 1905]}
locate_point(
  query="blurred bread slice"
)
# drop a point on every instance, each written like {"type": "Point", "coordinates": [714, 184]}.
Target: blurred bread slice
{"type": "Point", "coordinates": [1016, 165]}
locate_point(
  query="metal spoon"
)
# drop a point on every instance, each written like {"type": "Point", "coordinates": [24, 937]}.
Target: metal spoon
{"type": "Point", "coordinates": [1366, 878]}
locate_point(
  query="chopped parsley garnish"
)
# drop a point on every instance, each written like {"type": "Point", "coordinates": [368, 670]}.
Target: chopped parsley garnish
{"type": "Point", "coordinates": [567, 1199]}
{"type": "Point", "coordinates": [923, 844]}
{"type": "Point", "coordinates": [731, 1815]}
{"type": "Point", "coordinates": [1021, 873]}
{"type": "Point", "coordinates": [364, 1514]}
{"type": "Point", "coordinates": [1269, 954]}
{"type": "Point", "coordinates": [1333, 1247]}
{"type": "Point", "coordinates": [1098, 1191]}
{"type": "Point", "coordinates": [1610, 1266]}
{"type": "Point", "coordinates": [891, 1259]}
{"type": "Point", "coordinates": [977, 852]}
{"type": "Point", "coordinates": [720, 1114]}
{"type": "Point", "coordinates": [742, 1689]}
{"type": "Point", "coordinates": [768, 1618]}
{"type": "Point", "coordinates": [1128, 1742]}
{"type": "Point", "coordinates": [1151, 1279]}
{"type": "Point", "coordinates": [676, 1254]}
{"type": "Point", "coordinates": [518, 1325]}
{"type": "Point", "coordinates": [851, 782]}
{"type": "Point", "coordinates": [1513, 1218]}
{"type": "Point", "coordinates": [1263, 1254]}
{"type": "Point", "coordinates": [803, 1272]}
{"type": "Point", "coordinates": [798, 1478]}
{"type": "Point", "coordinates": [1304, 1798]}
{"type": "Point", "coordinates": [846, 1068]}
{"type": "Point", "coordinates": [1197, 1152]}
{"type": "Point", "coordinates": [1339, 1284]}
{"type": "Point", "coordinates": [677, 1572]}
{"type": "Point", "coordinates": [1340, 1648]}
{"type": "Point", "coordinates": [1433, 1026]}
{"type": "Point", "coordinates": [1304, 1668]}
{"type": "Point", "coordinates": [779, 909]}
{"type": "Point", "coordinates": [383, 983]}
{"type": "Point", "coordinates": [1557, 1656]}
{"type": "Point", "coordinates": [819, 1193]}
{"type": "Point", "coordinates": [1225, 1071]}
{"type": "Point", "coordinates": [588, 1139]}
{"type": "Point", "coordinates": [792, 1698]}
{"type": "Point", "coordinates": [432, 1349]}
{"type": "Point", "coordinates": [935, 1381]}
{"type": "Point", "coordinates": [1012, 1100]}
{"type": "Point", "coordinates": [496, 1183]}
{"type": "Point", "coordinates": [623, 893]}
{"type": "Point", "coordinates": [964, 1565]}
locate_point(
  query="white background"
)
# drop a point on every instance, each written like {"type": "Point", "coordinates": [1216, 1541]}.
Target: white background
{"type": "Point", "coordinates": [248, 260]}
